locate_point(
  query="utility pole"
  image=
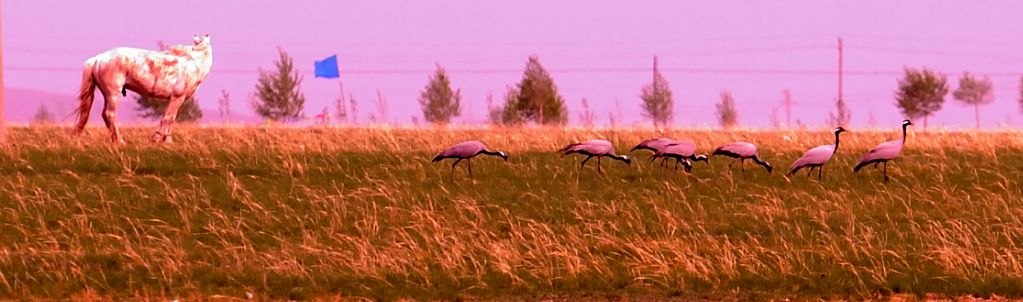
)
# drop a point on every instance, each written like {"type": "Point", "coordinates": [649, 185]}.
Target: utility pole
{"type": "Point", "coordinates": [3, 120]}
{"type": "Point", "coordinates": [840, 68]}
{"type": "Point", "coordinates": [787, 102]}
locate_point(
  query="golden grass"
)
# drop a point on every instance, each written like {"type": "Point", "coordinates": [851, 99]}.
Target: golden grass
{"type": "Point", "coordinates": [360, 212]}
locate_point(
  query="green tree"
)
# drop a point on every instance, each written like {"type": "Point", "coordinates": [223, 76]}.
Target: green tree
{"type": "Point", "coordinates": [154, 108]}
{"type": "Point", "coordinates": [535, 98]}
{"type": "Point", "coordinates": [1021, 93]}
{"type": "Point", "coordinates": [974, 92]}
{"type": "Point", "coordinates": [278, 95]}
{"type": "Point", "coordinates": [728, 117]}
{"type": "Point", "coordinates": [507, 114]}
{"type": "Point", "coordinates": [921, 93]}
{"type": "Point", "coordinates": [224, 106]}
{"type": "Point", "coordinates": [438, 101]}
{"type": "Point", "coordinates": [841, 116]}
{"type": "Point", "coordinates": [657, 100]}
{"type": "Point", "coordinates": [495, 112]}
{"type": "Point", "coordinates": [43, 115]}
{"type": "Point", "coordinates": [587, 118]}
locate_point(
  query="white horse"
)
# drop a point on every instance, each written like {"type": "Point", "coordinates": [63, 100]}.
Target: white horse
{"type": "Point", "coordinates": [174, 74]}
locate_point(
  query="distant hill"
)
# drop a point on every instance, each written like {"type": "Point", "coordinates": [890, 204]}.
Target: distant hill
{"type": "Point", "coordinates": [22, 104]}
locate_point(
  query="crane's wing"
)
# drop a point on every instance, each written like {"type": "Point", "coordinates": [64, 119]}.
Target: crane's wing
{"type": "Point", "coordinates": [816, 156]}
{"type": "Point", "coordinates": [885, 151]}
{"type": "Point", "coordinates": [681, 148]}
{"type": "Point", "coordinates": [738, 149]}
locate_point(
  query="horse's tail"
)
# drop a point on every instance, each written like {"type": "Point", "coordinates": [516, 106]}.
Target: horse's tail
{"type": "Point", "coordinates": [86, 94]}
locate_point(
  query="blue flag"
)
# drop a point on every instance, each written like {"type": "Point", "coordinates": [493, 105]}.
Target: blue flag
{"type": "Point", "coordinates": [326, 68]}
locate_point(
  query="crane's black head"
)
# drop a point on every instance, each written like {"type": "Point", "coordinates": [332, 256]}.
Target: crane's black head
{"type": "Point", "coordinates": [627, 160]}
{"type": "Point", "coordinates": [702, 157]}
{"type": "Point", "coordinates": [906, 123]}
{"type": "Point", "coordinates": [503, 155]}
{"type": "Point", "coordinates": [840, 130]}
{"type": "Point", "coordinates": [768, 166]}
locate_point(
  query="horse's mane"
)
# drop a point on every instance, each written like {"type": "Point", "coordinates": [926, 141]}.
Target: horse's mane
{"type": "Point", "coordinates": [178, 50]}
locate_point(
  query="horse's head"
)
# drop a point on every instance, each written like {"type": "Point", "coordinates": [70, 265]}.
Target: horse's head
{"type": "Point", "coordinates": [201, 41]}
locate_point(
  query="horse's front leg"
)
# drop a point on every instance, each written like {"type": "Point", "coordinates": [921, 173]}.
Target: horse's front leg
{"type": "Point", "coordinates": [163, 133]}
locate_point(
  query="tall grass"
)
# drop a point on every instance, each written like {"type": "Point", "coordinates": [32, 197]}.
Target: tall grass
{"type": "Point", "coordinates": [307, 213]}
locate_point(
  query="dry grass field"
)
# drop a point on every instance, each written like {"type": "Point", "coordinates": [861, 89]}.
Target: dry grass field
{"type": "Point", "coordinates": [326, 213]}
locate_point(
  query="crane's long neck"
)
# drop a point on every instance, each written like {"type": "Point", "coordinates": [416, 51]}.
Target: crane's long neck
{"type": "Point", "coordinates": [491, 153]}
{"type": "Point", "coordinates": [904, 133]}
{"type": "Point", "coordinates": [836, 142]}
{"type": "Point", "coordinates": [757, 160]}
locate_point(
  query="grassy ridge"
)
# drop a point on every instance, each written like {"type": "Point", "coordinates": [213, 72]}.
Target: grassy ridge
{"type": "Point", "coordinates": [362, 212]}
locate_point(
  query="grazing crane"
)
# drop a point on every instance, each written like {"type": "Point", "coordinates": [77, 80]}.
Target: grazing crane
{"type": "Point", "coordinates": [655, 145]}
{"type": "Point", "coordinates": [466, 151]}
{"type": "Point", "coordinates": [681, 151]}
{"type": "Point", "coordinates": [594, 148]}
{"type": "Point", "coordinates": [742, 151]}
{"type": "Point", "coordinates": [884, 152]}
{"type": "Point", "coordinates": [816, 157]}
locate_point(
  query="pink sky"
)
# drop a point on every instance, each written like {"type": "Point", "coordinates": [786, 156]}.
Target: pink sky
{"type": "Point", "coordinates": [599, 50]}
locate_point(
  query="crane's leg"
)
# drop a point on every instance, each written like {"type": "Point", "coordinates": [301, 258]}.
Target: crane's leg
{"type": "Point", "coordinates": [453, 168]}
{"type": "Point", "coordinates": [598, 164]}
{"type": "Point", "coordinates": [468, 162]}
{"type": "Point", "coordinates": [742, 165]}
{"type": "Point", "coordinates": [885, 172]}
{"type": "Point", "coordinates": [819, 172]}
{"type": "Point", "coordinates": [583, 164]}
{"type": "Point", "coordinates": [808, 171]}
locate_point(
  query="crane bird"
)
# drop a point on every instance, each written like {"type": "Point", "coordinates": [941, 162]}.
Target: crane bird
{"type": "Point", "coordinates": [816, 157]}
{"type": "Point", "coordinates": [466, 151]}
{"type": "Point", "coordinates": [742, 151]}
{"type": "Point", "coordinates": [884, 152]}
{"type": "Point", "coordinates": [655, 145]}
{"type": "Point", "coordinates": [594, 148]}
{"type": "Point", "coordinates": [681, 151]}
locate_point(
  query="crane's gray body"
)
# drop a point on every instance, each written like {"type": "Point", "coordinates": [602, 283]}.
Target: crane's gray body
{"type": "Point", "coordinates": [817, 157]}
{"type": "Point", "coordinates": [466, 151]}
{"type": "Point", "coordinates": [742, 151]}
{"type": "Point", "coordinates": [884, 152]}
{"type": "Point", "coordinates": [594, 148]}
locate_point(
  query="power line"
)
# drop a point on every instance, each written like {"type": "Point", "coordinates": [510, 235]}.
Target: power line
{"type": "Point", "coordinates": [823, 72]}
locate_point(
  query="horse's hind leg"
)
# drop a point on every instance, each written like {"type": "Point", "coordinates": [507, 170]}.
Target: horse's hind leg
{"type": "Point", "coordinates": [163, 133]}
{"type": "Point", "coordinates": [110, 115]}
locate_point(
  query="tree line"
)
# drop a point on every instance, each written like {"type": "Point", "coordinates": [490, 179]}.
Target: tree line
{"type": "Point", "coordinates": [535, 99]}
